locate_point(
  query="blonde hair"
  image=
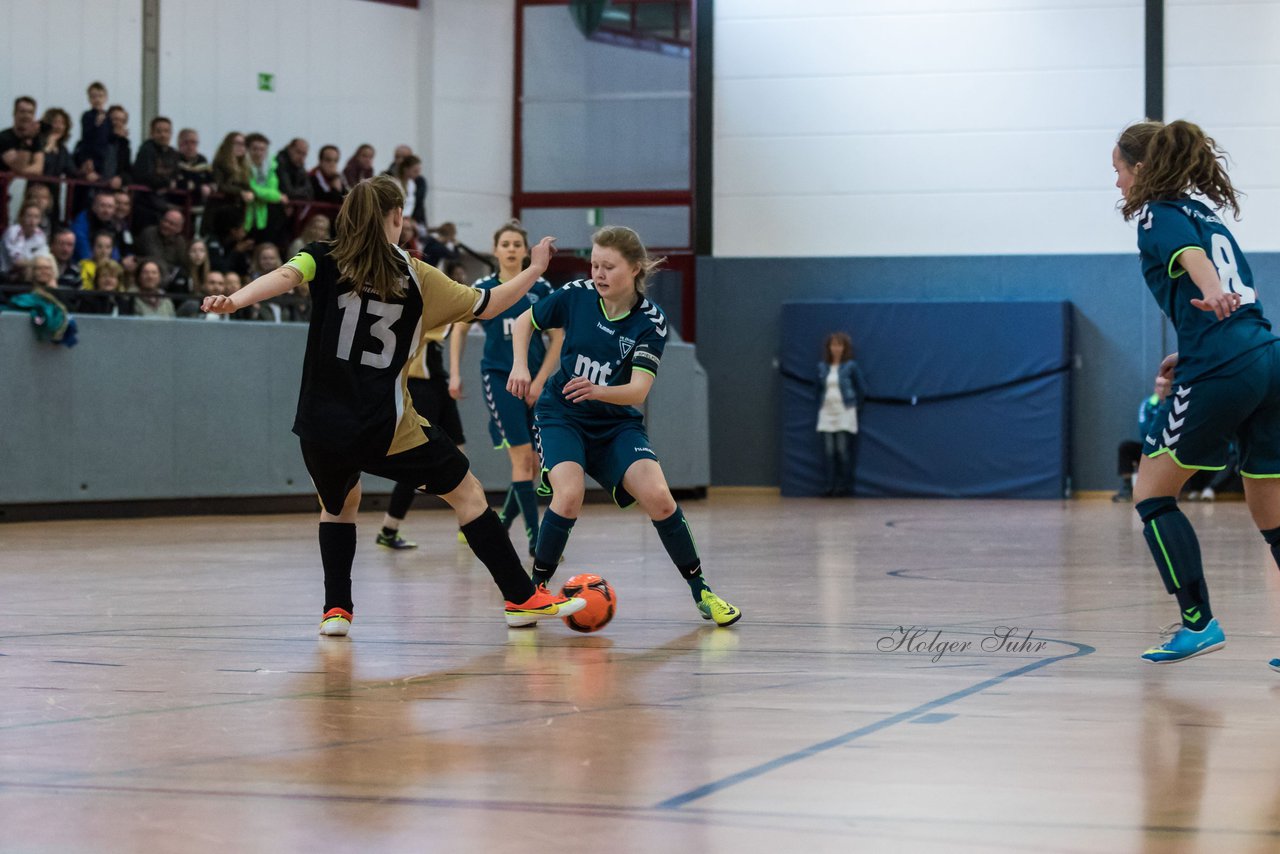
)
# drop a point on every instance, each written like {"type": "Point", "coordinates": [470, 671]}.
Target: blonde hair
{"type": "Point", "coordinates": [1177, 159]}
{"type": "Point", "coordinates": [361, 250]}
{"type": "Point", "coordinates": [629, 245]}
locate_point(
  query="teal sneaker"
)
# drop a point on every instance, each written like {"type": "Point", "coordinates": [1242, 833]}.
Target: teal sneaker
{"type": "Point", "coordinates": [1275, 664]}
{"type": "Point", "coordinates": [1186, 643]}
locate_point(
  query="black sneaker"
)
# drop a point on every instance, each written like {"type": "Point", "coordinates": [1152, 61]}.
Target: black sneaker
{"type": "Point", "coordinates": [395, 542]}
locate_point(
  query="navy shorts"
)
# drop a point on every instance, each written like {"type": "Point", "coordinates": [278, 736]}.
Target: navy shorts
{"type": "Point", "coordinates": [510, 418]}
{"type": "Point", "coordinates": [1198, 420]}
{"type": "Point", "coordinates": [604, 452]}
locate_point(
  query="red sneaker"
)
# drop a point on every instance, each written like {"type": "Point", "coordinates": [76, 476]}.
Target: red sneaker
{"type": "Point", "coordinates": [336, 622]}
{"type": "Point", "coordinates": [542, 604]}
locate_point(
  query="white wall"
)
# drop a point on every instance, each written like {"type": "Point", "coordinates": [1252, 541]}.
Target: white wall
{"type": "Point", "coordinates": [470, 89]}
{"type": "Point", "coordinates": [52, 49]}
{"type": "Point", "coordinates": [346, 71]}
{"type": "Point", "coordinates": [922, 127]}
{"type": "Point", "coordinates": [1221, 72]}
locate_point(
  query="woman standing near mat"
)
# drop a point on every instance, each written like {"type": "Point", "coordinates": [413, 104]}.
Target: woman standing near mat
{"type": "Point", "coordinates": [587, 416]}
{"type": "Point", "coordinates": [841, 391]}
{"type": "Point", "coordinates": [1226, 374]}
{"type": "Point", "coordinates": [371, 303]}
{"type": "Point", "coordinates": [511, 424]}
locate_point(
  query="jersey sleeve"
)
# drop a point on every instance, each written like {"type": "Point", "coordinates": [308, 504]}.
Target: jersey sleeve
{"type": "Point", "coordinates": [305, 261]}
{"type": "Point", "coordinates": [444, 300]}
{"type": "Point", "coordinates": [648, 352]}
{"type": "Point", "coordinates": [1165, 232]}
{"type": "Point", "coordinates": [551, 310]}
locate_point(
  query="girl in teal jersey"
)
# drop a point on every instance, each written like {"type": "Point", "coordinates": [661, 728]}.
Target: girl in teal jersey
{"type": "Point", "coordinates": [1225, 377]}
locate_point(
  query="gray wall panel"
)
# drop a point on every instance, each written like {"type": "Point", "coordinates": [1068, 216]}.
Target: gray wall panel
{"type": "Point", "coordinates": [148, 409]}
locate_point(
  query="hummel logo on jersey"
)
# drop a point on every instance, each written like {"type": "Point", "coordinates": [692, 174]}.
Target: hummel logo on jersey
{"type": "Point", "coordinates": [640, 450]}
{"type": "Point", "coordinates": [625, 344]}
{"type": "Point", "coordinates": [603, 328]}
{"type": "Point", "coordinates": [592, 370]}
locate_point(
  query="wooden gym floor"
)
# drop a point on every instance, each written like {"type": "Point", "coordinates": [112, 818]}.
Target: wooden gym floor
{"type": "Point", "coordinates": [164, 689]}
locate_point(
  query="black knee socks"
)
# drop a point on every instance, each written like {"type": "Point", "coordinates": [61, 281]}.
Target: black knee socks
{"type": "Point", "coordinates": [1176, 551]}
{"type": "Point", "coordinates": [337, 553]}
{"type": "Point", "coordinates": [488, 539]}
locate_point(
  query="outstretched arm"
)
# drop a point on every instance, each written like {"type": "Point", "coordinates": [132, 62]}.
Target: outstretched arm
{"type": "Point", "coordinates": [505, 295]}
{"type": "Point", "coordinates": [278, 281]}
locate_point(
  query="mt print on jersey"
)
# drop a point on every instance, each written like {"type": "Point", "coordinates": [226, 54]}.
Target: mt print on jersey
{"type": "Point", "coordinates": [602, 349]}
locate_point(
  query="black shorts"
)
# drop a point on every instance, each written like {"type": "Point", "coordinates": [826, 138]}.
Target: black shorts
{"type": "Point", "coordinates": [436, 467]}
{"type": "Point", "coordinates": [431, 400]}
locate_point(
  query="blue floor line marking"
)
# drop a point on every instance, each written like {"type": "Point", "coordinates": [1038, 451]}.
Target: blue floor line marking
{"type": "Point", "coordinates": [934, 718]}
{"type": "Point", "coordinates": [841, 740]}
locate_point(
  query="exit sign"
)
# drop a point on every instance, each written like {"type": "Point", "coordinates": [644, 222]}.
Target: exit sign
{"type": "Point", "coordinates": [266, 82]}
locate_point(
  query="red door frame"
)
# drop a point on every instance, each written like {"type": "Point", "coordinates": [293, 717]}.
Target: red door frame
{"type": "Point", "coordinates": [679, 258]}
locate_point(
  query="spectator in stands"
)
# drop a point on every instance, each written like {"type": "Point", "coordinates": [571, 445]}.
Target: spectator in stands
{"type": "Point", "coordinates": [101, 215]}
{"type": "Point", "coordinates": [56, 127]}
{"type": "Point", "coordinates": [360, 166]}
{"type": "Point", "coordinates": [21, 146]}
{"type": "Point", "coordinates": [23, 241]}
{"type": "Point", "coordinates": [191, 276]}
{"type": "Point", "coordinates": [44, 275]}
{"type": "Point", "coordinates": [95, 135]}
{"type": "Point", "coordinates": [402, 151]}
{"type": "Point", "coordinates": [441, 244]}
{"type": "Point", "coordinates": [107, 296]}
{"type": "Point", "coordinates": [124, 230]}
{"type": "Point", "coordinates": [409, 238]}
{"type": "Point", "coordinates": [164, 242]}
{"type": "Point", "coordinates": [291, 166]}
{"type": "Point", "coordinates": [409, 174]}
{"type": "Point", "coordinates": [327, 180]}
{"type": "Point", "coordinates": [195, 175]}
{"type": "Point", "coordinates": [231, 183]}
{"type": "Point", "coordinates": [104, 244]}
{"type": "Point", "coordinates": [119, 172]}
{"type": "Point", "coordinates": [213, 286]}
{"type": "Point", "coordinates": [41, 196]}
{"type": "Point", "coordinates": [156, 168]}
{"type": "Point", "coordinates": [264, 216]}
{"type": "Point", "coordinates": [63, 247]}
{"type": "Point", "coordinates": [230, 252]}
{"type": "Point", "coordinates": [266, 257]}
{"type": "Point", "coordinates": [318, 227]}
{"type": "Point", "coordinates": [150, 300]}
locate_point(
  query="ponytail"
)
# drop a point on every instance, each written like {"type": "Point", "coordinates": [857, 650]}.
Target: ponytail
{"type": "Point", "coordinates": [361, 250]}
{"type": "Point", "coordinates": [1177, 159]}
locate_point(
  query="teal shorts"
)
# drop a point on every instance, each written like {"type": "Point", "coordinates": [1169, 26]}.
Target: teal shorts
{"type": "Point", "coordinates": [605, 452]}
{"type": "Point", "coordinates": [1200, 419]}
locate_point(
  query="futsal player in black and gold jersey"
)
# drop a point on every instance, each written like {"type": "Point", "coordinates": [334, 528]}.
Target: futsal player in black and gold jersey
{"type": "Point", "coordinates": [371, 304]}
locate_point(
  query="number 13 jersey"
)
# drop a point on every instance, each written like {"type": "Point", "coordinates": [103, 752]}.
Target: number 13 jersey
{"type": "Point", "coordinates": [354, 391]}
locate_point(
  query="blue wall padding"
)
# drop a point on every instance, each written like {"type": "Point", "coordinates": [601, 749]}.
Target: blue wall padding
{"type": "Point", "coordinates": [991, 383]}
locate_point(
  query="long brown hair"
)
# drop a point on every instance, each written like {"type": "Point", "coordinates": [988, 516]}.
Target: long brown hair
{"type": "Point", "coordinates": [364, 256]}
{"type": "Point", "coordinates": [1176, 159]}
{"type": "Point", "coordinates": [236, 169]}
{"type": "Point", "coordinates": [629, 245]}
{"type": "Point", "coordinates": [846, 344]}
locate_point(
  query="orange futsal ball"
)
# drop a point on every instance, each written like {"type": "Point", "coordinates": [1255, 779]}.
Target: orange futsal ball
{"type": "Point", "coordinates": [601, 602]}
